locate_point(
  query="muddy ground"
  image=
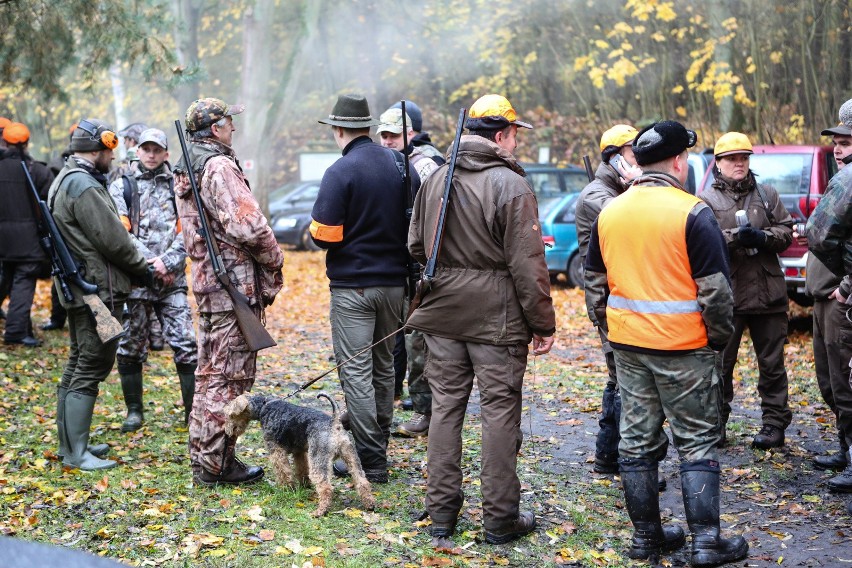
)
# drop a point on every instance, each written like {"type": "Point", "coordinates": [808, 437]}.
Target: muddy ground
{"type": "Point", "coordinates": [776, 500]}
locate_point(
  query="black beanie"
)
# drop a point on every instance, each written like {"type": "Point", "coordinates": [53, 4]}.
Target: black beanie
{"type": "Point", "coordinates": [662, 140]}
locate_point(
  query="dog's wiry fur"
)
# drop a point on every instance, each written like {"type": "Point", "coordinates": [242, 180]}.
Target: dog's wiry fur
{"type": "Point", "coordinates": [313, 438]}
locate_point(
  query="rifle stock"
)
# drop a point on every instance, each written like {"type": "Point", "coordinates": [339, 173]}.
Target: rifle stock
{"type": "Point", "coordinates": [588, 165]}
{"type": "Point", "coordinates": [254, 333]}
{"type": "Point", "coordinates": [63, 266]}
{"type": "Point", "coordinates": [424, 285]}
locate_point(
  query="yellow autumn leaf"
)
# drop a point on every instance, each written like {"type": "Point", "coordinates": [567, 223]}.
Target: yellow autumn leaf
{"type": "Point", "coordinates": [681, 111]}
{"type": "Point", "coordinates": [677, 90]}
{"type": "Point", "coordinates": [218, 552]}
{"type": "Point", "coordinates": [312, 551]}
{"type": "Point", "coordinates": [283, 551]}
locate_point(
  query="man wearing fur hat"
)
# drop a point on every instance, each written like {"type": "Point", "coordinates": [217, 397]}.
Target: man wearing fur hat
{"type": "Point", "coordinates": [359, 218]}
{"type": "Point", "coordinates": [249, 253]}
{"type": "Point", "coordinates": [665, 326]}
{"type": "Point", "coordinates": [88, 220]}
{"type": "Point", "coordinates": [829, 232]}
{"type": "Point", "coordinates": [489, 299]}
{"type": "Point", "coordinates": [20, 253]}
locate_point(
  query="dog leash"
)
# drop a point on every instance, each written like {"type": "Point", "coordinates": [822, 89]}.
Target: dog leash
{"type": "Point", "coordinates": [315, 379]}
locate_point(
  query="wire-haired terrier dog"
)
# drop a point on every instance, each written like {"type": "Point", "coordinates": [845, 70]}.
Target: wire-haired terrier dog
{"type": "Point", "coordinates": [313, 438]}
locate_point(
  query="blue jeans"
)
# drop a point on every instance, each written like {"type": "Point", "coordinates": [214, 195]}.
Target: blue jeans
{"type": "Point", "coordinates": [360, 317]}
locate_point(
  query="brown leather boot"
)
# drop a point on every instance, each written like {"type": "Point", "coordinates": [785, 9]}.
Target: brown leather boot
{"type": "Point", "coordinates": [522, 526]}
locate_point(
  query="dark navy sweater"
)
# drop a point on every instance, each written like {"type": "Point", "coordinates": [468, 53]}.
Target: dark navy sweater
{"type": "Point", "coordinates": [363, 193]}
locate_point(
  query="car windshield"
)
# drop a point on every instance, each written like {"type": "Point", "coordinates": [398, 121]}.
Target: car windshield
{"type": "Point", "coordinates": [787, 173]}
{"type": "Point", "coordinates": [283, 190]}
{"type": "Point", "coordinates": [546, 205]}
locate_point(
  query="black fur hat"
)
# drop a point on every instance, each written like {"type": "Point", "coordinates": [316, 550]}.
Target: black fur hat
{"type": "Point", "coordinates": [662, 140]}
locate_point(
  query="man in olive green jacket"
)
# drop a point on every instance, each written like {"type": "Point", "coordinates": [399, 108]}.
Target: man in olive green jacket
{"type": "Point", "coordinates": [88, 221]}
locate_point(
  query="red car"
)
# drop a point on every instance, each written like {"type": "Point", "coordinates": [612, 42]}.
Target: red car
{"type": "Point", "coordinates": [800, 174]}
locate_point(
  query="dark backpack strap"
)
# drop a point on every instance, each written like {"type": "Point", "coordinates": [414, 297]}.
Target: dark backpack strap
{"type": "Point", "coordinates": [763, 200]}
{"type": "Point", "coordinates": [131, 199]}
{"type": "Point", "coordinates": [128, 191]}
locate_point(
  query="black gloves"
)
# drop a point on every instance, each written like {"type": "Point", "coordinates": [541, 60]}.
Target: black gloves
{"type": "Point", "coordinates": [749, 237]}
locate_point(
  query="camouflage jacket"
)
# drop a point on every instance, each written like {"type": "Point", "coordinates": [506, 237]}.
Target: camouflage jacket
{"type": "Point", "coordinates": [829, 228]}
{"type": "Point", "coordinates": [250, 253]}
{"type": "Point", "coordinates": [157, 232]}
{"type": "Point", "coordinates": [88, 221]}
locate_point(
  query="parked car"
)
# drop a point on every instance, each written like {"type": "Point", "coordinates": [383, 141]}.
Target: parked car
{"type": "Point", "coordinates": [293, 195]}
{"type": "Point", "coordinates": [290, 211]}
{"type": "Point", "coordinates": [800, 174]}
{"type": "Point", "coordinates": [559, 231]}
{"type": "Point", "coordinates": [548, 180]}
{"type": "Point", "coordinates": [698, 163]}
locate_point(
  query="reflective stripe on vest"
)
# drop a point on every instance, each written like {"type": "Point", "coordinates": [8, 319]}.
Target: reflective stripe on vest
{"type": "Point", "coordinates": [653, 300]}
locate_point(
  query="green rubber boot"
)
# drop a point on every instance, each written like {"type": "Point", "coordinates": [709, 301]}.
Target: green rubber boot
{"type": "Point", "coordinates": [99, 450]}
{"type": "Point", "coordinates": [131, 386]}
{"type": "Point", "coordinates": [186, 374]}
{"type": "Point", "coordinates": [78, 420]}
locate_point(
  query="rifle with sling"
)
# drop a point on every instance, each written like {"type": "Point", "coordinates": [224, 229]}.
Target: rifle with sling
{"type": "Point", "coordinates": [425, 283]}
{"type": "Point", "coordinates": [255, 334]}
{"type": "Point", "coordinates": [413, 265]}
{"type": "Point", "coordinates": [65, 269]}
{"type": "Point", "coordinates": [588, 165]}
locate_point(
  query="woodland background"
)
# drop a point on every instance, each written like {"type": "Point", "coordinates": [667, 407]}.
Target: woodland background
{"type": "Point", "coordinates": [772, 68]}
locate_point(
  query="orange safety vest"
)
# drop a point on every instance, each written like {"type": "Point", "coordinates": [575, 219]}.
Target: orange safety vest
{"type": "Point", "coordinates": [653, 300]}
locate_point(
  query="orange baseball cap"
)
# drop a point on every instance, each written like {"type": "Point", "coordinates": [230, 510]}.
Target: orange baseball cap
{"type": "Point", "coordinates": [16, 133]}
{"type": "Point", "coordinates": [4, 122]}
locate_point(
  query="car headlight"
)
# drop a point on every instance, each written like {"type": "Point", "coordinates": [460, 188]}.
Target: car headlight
{"type": "Point", "coordinates": [283, 223]}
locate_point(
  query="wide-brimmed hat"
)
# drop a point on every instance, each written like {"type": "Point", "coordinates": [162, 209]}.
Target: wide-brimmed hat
{"type": "Point", "coordinates": [350, 111]}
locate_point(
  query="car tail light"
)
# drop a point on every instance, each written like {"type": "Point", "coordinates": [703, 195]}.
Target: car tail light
{"type": "Point", "coordinates": [549, 241]}
{"type": "Point", "coordinates": [807, 203]}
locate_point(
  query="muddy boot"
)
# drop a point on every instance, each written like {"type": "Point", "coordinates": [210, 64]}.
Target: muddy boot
{"type": "Point", "coordinates": [700, 483]}
{"type": "Point", "coordinates": [416, 427]}
{"type": "Point", "coordinates": [99, 450]}
{"type": "Point", "coordinates": [522, 526]}
{"type": "Point", "coordinates": [606, 445]}
{"type": "Point", "coordinates": [642, 497]}
{"type": "Point", "coordinates": [186, 374]}
{"type": "Point", "coordinates": [131, 386]}
{"type": "Point", "coordinates": [78, 420]}
{"type": "Point", "coordinates": [834, 462]}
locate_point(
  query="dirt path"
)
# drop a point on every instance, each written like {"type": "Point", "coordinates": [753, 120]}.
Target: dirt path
{"type": "Point", "coordinates": [780, 504]}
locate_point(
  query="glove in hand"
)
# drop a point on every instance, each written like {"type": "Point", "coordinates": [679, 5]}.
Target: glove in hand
{"type": "Point", "coordinates": [749, 237]}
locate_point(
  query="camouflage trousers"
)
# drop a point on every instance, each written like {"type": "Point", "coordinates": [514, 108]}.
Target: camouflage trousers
{"type": "Point", "coordinates": [682, 388]}
{"type": "Point", "coordinates": [226, 369]}
{"type": "Point", "coordinates": [418, 386]}
{"type": "Point", "coordinates": [177, 329]}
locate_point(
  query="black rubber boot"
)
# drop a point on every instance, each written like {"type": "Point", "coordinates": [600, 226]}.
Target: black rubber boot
{"type": "Point", "coordinates": [701, 494]}
{"type": "Point", "coordinates": [606, 445]}
{"type": "Point", "coordinates": [78, 420]}
{"type": "Point", "coordinates": [186, 374]}
{"type": "Point", "coordinates": [99, 450]}
{"type": "Point", "coordinates": [642, 497]}
{"type": "Point", "coordinates": [131, 386]}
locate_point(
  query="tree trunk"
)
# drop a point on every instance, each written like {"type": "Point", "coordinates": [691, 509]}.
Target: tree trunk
{"type": "Point", "coordinates": [186, 15]}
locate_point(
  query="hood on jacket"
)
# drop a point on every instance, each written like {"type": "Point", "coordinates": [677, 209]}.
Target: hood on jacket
{"type": "Point", "coordinates": [477, 154]}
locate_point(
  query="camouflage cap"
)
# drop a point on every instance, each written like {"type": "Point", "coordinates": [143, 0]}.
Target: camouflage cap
{"type": "Point", "coordinates": [133, 130]}
{"type": "Point", "coordinates": [204, 112]}
{"type": "Point", "coordinates": [155, 136]}
{"type": "Point", "coordinates": [391, 121]}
